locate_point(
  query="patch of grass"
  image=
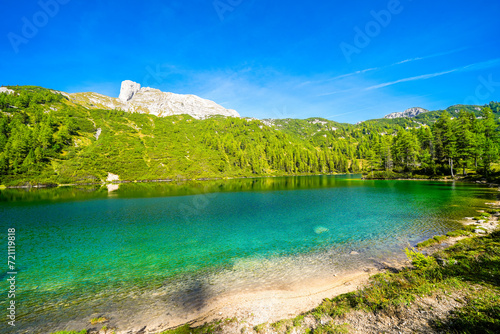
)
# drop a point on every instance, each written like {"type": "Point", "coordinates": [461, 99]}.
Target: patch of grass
{"type": "Point", "coordinates": [99, 320]}
{"type": "Point", "coordinates": [332, 329]}
{"type": "Point", "coordinates": [317, 314]}
{"type": "Point", "coordinates": [212, 327]}
{"type": "Point", "coordinates": [440, 238]}
{"type": "Point", "coordinates": [260, 328]}
{"type": "Point", "coordinates": [419, 260]}
{"type": "Point", "coordinates": [458, 233]}
{"type": "Point", "coordinates": [469, 228]}
{"type": "Point", "coordinates": [481, 314]}
{"type": "Point", "coordinates": [297, 321]}
{"type": "Point", "coordinates": [427, 243]}
{"type": "Point", "coordinates": [482, 216]}
{"type": "Point", "coordinates": [339, 305]}
{"type": "Point", "coordinates": [186, 329]}
{"type": "Point", "coordinates": [83, 331]}
{"type": "Point", "coordinates": [281, 325]}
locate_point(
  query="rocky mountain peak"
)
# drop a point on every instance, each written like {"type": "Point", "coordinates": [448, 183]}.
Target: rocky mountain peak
{"type": "Point", "coordinates": [128, 90]}
{"type": "Point", "coordinates": [134, 98]}
{"type": "Point", "coordinates": [410, 112]}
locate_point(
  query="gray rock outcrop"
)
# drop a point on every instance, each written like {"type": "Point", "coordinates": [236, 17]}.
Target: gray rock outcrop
{"type": "Point", "coordinates": [411, 112]}
{"type": "Point", "coordinates": [6, 90]}
{"type": "Point", "coordinates": [128, 90]}
{"type": "Point", "coordinates": [147, 100]}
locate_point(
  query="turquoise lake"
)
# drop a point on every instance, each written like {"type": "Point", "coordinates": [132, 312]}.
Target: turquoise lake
{"type": "Point", "coordinates": [86, 251]}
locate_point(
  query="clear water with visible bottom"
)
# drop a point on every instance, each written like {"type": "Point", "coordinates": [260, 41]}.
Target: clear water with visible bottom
{"type": "Point", "coordinates": [171, 248]}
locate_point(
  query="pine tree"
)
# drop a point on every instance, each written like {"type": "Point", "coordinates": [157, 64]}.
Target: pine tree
{"type": "Point", "coordinates": [372, 160]}
{"type": "Point", "coordinates": [445, 141]}
{"type": "Point", "coordinates": [385, 152]}
{"type": "Point", "coordinates": [405, 149]}
{"type": "Point", "coordinates": [464, 137]}
{"type": "Point", "coordinates": [477, 140]}
{"type": "Point", "coordinates": [490, 140]}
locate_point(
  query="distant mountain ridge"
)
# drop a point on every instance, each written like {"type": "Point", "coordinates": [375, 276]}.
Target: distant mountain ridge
{"type": "Point", "coordinates": [410, 112]}
{"type": "Point", "coordinates": [134, 98]}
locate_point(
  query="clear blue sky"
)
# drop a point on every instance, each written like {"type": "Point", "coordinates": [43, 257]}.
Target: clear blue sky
{"type": "Point", "coordinates": [343, 60]}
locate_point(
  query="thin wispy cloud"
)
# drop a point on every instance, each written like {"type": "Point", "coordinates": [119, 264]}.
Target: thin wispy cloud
{"type": "Point", "coordinates": [439, 54]}
{"type": "Point", "coordinates": [481, 65]}
{"type": "Point", "coordinates": [475, 66]}
{"type": "Point", "coordinates": [407, 61]}
{"type": "Point", "coordinates": [353, 73]}
{"type": "Point", "coordinates": [337, 115]}
{"type": "Point", "coordinates": [335, 92]}
{"type": "Point", "coordinates": [342, 76]}
{"type": "Point", "coordinates": [418, 77]}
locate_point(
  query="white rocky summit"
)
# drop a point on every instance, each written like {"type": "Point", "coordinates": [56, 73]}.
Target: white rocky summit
{"type": "Point", "coordinates": [128, 89]}
{"type": "Point", "coordinates": [411, 112]}
{"type": "Point", "coordinates": [134, 98]}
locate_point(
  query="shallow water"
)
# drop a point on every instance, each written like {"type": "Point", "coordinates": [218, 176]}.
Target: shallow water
{"type": "Point", "coordinates": [169, 248]}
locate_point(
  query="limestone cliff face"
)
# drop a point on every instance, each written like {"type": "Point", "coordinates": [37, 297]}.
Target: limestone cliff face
{"type": "Point", "coordinates": [128, 90]}
{"type": "Point", "coordinates": [147, 100]}
{"type": "Point", "coordinates": [411, 112]}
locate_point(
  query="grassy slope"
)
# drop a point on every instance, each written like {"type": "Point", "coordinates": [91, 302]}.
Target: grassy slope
{"type": "Point", "coordinates": [140, 147]}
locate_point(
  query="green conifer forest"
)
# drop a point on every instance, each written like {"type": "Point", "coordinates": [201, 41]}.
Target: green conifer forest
{"type": "Point", "coordinates": [47, 139]}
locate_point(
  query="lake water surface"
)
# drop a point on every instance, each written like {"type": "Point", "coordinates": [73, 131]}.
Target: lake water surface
{"type": "Point", "coordinates": [89, 251]}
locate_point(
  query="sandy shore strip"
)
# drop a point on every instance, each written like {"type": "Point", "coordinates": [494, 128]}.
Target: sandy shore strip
{"type": "Point", "coordinates": [257, 306]}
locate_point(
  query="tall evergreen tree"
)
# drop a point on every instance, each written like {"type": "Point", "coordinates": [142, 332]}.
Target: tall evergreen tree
{"type": "Point", "coordinates": [405, 150]}
{"type": "Point", "coordinates": [464, 138]}
{"type": "Point", "coordinates": [445, 141]}
{"type": "Point", "coordinates": [489, 140]}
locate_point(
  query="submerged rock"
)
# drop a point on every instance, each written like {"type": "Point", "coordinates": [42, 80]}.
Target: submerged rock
{"type": "Point", "coordinates": [320, 229]}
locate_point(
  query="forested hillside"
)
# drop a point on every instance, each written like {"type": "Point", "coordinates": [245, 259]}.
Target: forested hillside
{"type": "Point", "coordinates": [45, 138]}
